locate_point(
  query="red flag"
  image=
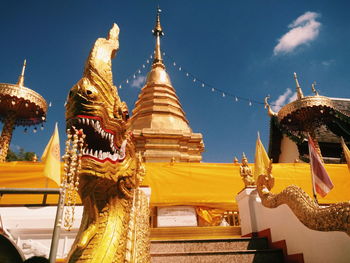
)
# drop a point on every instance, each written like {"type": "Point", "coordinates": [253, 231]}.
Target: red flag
{"type": "Point", "coordinates": [322, 183]}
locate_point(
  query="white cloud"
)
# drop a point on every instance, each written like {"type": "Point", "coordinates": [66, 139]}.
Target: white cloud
{"type": "Point", "coordinates": [293, 97]}
{"type": "Point", "coordinates": [138, 82]}
{"type": "Point", "coordinates": [303, 30]}
{"type": "Point", "coordinates": [328, 63]}
{"type": "Point", "coordinates": [287, 96]}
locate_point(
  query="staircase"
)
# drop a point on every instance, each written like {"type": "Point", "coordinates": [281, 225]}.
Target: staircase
{"type": "Point", "coordinates": [209, 244]}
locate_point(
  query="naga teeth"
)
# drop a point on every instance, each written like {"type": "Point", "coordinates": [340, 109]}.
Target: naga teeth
{"type": "Point", "coordinates": [113, 153]}
{"type": "Point", "coordinates": [99, 154]}
{"type": "Point", "coordinates": [115, 157]}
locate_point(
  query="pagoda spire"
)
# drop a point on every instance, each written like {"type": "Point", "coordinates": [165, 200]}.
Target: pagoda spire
{"type": "Point", "coordinates": [158, 33]}
{"type": "Point", "coordinates": [21, 77]}
{"type": "Point", "coordinates": [299, 91]}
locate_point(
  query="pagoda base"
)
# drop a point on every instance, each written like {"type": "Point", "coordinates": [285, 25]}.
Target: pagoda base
{"type": "Point", "coordinates": [160, 145]}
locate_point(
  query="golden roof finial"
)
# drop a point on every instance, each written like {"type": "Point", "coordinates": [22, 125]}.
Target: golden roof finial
{"type": "Point", "coordinates": [299, 91]}
{"type": "Point", "coordinates": [267, 106]}
{"type": "Point", "coordinates": [314, 89]}
{"type": "Point", "coordinates": [21, 77]}
{"type": "Point", "coordinates": [158, 33]}
{"type": "Point", "coordinates": [244, 157]}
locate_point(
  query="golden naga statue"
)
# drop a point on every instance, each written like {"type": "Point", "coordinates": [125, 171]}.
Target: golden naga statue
{"type": "Point", "coordinates": [246, 173]}
{"type": "Point", "coordinates": [335, 217]}
{"type": "Point", "coordinates": [115, 223]}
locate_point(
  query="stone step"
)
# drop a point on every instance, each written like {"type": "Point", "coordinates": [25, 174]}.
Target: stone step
{"type": "Point", "coordinates": [214, 245]}
{"type": "Point", "coordinates": [179, 233]}
{"type": "Point", "coordinates": [241, 256]}
{"type": "Point", "coordinates": [209, 244]}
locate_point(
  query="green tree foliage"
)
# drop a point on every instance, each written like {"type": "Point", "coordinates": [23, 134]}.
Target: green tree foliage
{"type": "Point", "coordinates": [21, 155]}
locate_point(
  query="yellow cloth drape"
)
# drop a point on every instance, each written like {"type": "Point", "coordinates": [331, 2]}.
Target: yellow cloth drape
{"type": "Point", "coordinates": [209, 216]}
{"type": "Point", "coordinates": [25, 175]}
{"type": "Point", "coordinates": [199, 184]}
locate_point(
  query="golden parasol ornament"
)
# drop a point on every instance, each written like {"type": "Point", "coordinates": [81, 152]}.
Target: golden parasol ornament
{"type": "Point", "coordinates": [19, 106]}
{"type": "Point", "coordinates": [307, 114]}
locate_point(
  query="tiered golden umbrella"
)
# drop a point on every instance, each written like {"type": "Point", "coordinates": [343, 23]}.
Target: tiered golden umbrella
{"type": "Point", "coordinates": [308, 114]}
{"type": "Point", "coordinates": [19, 106]}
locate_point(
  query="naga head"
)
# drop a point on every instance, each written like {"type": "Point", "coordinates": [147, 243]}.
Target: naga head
{"type": "Point", "coordinates": [94, 106]}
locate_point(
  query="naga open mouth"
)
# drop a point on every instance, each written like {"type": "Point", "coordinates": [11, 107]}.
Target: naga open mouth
{"type": "Point", "coordinates": [99, 142]}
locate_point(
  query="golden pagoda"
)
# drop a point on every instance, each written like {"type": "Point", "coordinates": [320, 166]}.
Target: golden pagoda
{"type": "Point", "coordinates": [159, 124]}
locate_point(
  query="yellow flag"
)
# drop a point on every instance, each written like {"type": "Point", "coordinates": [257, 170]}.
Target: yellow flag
{"type": "Point", "coordinates": [261, 160]}
{"type": "Point", "coordinates": [51, 158]}
{"type": "Point", "coordinates": [346, 152]}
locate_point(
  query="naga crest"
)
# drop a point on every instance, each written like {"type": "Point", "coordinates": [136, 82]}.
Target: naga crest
{"type": "Point", "coordinates": [93, 105]}
{"type": "Point", "coordinates": [110, 171]}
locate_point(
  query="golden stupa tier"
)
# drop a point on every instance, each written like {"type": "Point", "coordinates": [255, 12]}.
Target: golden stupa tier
{"type": "Point", "coordinates": [29, 106]}
{"type": "Point", "coordinates": [159, 124]}
{"type": "Point", "coordinates": [162, 145]}
{"type": "Point", "coordinates": [158, 106]}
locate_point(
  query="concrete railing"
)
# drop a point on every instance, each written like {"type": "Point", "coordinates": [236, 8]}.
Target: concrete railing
{"type": "Point", "coordinates": [316, 246]}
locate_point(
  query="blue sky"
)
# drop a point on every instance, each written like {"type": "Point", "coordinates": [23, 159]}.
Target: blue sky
{"type": "Point", "coordinates": [246, 48]}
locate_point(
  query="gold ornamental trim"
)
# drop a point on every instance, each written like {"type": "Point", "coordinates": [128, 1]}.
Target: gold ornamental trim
{"type": "Point", "coordinates": [18, 92]}
{"type": "Point", "coordinates": [335, 217]}
{"type": "Point", "coordinates": [305, 102]}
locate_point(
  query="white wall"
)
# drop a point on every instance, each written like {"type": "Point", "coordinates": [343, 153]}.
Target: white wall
{"type": "Point", "coordinates": [31, 228]}
{"type": "Point", "coordinates": [289, 151]}
{"type": "Point", "coordinates": [316, 246]}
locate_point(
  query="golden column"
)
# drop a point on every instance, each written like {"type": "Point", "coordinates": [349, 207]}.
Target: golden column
{"type": "Point", "coordinates": [18, 106]}
{"type": "Point", "coordinates": [6, 134]}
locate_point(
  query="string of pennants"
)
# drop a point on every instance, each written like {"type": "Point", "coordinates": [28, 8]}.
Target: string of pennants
{"type": "Point", "coordinates": [192, 77]}
{"type": "Point", "coordinates": [201, 83]}
{"type": "Point", "coordinates": [139, 71]}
